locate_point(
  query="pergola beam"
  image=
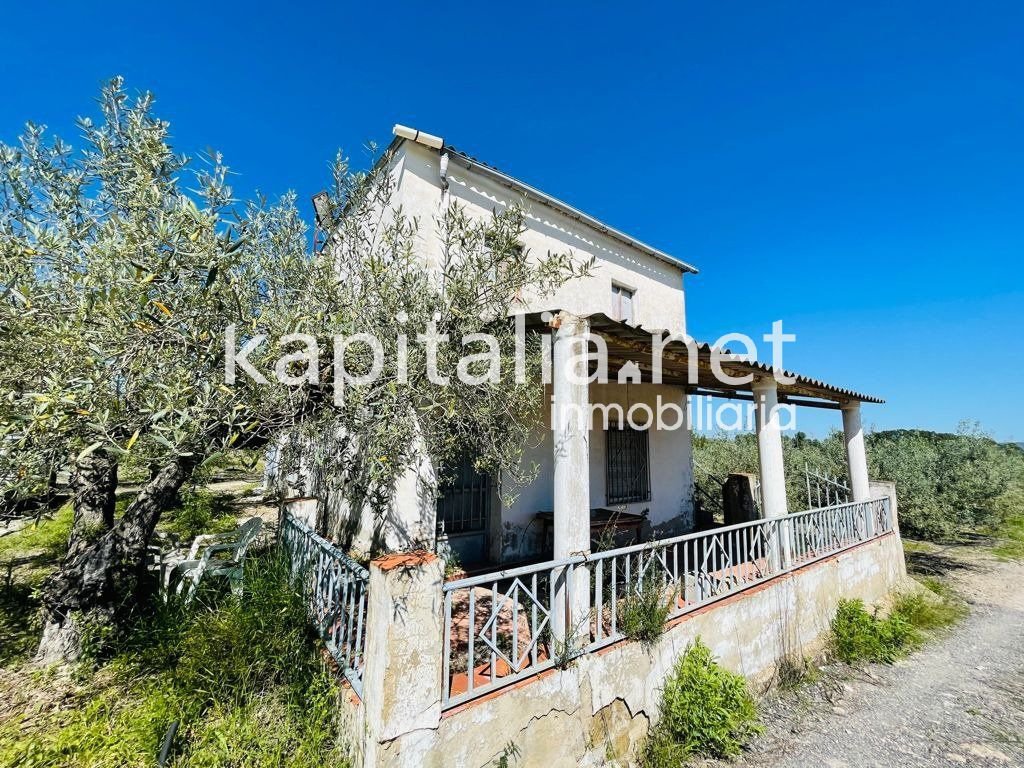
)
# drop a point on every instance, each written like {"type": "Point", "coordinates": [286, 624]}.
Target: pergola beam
{"type": "Point", "coordinates": [628, 343]}
{"type": "Point", "coordinates": [731, 394]}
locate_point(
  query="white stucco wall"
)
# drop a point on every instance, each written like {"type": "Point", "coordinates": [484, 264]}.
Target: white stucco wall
{"type": "Point", "coordinates": [598, 710]}
{"type": "Point", "coordinates": [658, 300]}
{"type": "Point", "coordinates": [670, 508]}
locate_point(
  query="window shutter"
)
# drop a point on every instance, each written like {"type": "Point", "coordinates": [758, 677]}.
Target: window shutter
{"type": "Point", "coordinates": [622, 303]}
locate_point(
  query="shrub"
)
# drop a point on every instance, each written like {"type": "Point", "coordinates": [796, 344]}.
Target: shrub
{"type": "Point", "coordinates": [930, 614]}
{"type": "Point", "coordinates": [948, 484]}
{"type": "Point", "coordinates": [1010, 534]}
{"type": "Point", "coordinates": [250, 644]}
{"type": "Point", "coordinates": [861, 636]}
{"type": "Point", "coordinates": [705, 711]}
{"type": "Point", "coordinates": [243, 677]}
{"type": "Point", "coordinates": [452, 563]}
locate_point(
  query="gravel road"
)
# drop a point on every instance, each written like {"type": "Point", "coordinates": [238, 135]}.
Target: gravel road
{"type": "Point", "coordinates": [959, 701]}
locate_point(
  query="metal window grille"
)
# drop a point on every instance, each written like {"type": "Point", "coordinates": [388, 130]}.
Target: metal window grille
{"type": "Point", "coordinates": [628, 476]}
{"type": "Point", "coordinates": [464, 501]}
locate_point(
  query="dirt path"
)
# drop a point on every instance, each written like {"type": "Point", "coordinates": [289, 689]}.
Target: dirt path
{"type": "Point", "coordinates": [959, 701]}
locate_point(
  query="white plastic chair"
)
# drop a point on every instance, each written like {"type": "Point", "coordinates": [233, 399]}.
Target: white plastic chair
{"type": "Point", "coordinates": [223, 556]}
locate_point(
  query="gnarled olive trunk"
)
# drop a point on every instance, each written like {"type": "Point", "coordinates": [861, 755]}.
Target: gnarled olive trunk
{"type": "Point", "coordinates": [94, 484]}
{"type": "Point", "coordinates": [101, 582]}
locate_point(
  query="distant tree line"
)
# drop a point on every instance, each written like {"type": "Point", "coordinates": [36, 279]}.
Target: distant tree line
{"type": "Point", "coordinates": [946, 484]}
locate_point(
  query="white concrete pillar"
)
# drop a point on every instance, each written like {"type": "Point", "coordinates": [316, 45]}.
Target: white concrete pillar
{"type": "Point", "coordinates": [402, 670]}
{"type": "Point", "coordinates": [769, 451]}
{"type": "Point", "coordinates": [570, 425]}
{"type": "Point", "coordinates": [857, 459]}
{"type": "Point", "coordinates": [769, 448]}
{"type": "Point", "coordinates": [856, 455]}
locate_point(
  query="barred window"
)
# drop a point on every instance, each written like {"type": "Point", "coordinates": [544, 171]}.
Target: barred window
{"type": "Point", "coordinates": [464, 500]}
{"type": "Point", "coordinates": [627, 470]}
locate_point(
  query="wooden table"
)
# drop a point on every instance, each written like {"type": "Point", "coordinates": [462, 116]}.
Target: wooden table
{"type": "Point", "coordinates": [624, 527]}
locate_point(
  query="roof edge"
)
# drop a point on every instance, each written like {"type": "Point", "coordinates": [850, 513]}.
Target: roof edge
{"type": "Point", "coordinates": [603, 324]}
{"type": "Point", "coordinates": [574, 213]}
{"type": "Point", "coordinates": [471, 164]}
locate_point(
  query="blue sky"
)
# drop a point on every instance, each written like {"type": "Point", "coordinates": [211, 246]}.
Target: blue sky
{"type": "Point", "coordinates": [856, 171]}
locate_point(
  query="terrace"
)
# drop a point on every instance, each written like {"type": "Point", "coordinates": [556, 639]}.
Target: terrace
{"type": "Point", "coordinates": [422, 652]}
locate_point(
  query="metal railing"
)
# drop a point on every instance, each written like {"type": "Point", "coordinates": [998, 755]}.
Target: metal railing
{"type": "Point", "coordinates": [486, 642]}
{"type": "Point", "coordinates": [336, 587]}
{"type": "Point", "coordinates": [821, 532]}
{"type": "Point", "coordinates": [824, 489]}
{"type": "Point", "coordinates": [509, 625]}
{"type": "Point", "coordinates": [882, 510]}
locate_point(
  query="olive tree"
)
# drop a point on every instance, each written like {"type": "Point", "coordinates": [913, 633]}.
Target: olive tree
{"type": "Point", "coordinates": [129, 275]}
{"type": "Point", "coordinates": [120, 266]}
{"type": "Point", "coordinates": [455, 379]}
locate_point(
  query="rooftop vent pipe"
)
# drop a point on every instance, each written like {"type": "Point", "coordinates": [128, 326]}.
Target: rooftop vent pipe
{"type": "Point", "coordinates": [426, 139]}
{"type": "Point", "coordinates": [444, 171]}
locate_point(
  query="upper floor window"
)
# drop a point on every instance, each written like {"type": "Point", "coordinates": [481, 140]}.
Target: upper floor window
{"type": "Point", "coordinates": [622, 303]}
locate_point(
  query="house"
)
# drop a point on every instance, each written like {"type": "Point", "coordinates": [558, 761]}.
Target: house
{"type": "Point", "coordinates": [529, 648]}
{"type": "Point", "coordinates": [632, 282]}
{"type": "Point", "coordinates": [633, 291]}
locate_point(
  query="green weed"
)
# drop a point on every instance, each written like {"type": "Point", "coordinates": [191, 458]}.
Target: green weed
{"type": "Point", "coordinates": [917, 547]}
{"type": "Point", "coordinates": [1010, 538]}
{"type": "Point", "coordinates": [509, 755]}
{"type": "Point", "coordinates": [42, 544]}
{"type": "Point", "coordinates": [199, 512]}
{"type": "Point", "coordinates": [644, 613]}
{"type": "Point", "coordinates": [242, 676]}
{"type": "Point", "coordinates": [48, 537]}
{"type": "Point", "coordinates": [705, 711]}
{"type": "Point", "coordinates": [930, 615]}
{"type": "Point", "coordinates": [452, 563]}
{"type": "Point", "coordinates": [858, 635]}
{"type": "Point", "coordinates": [795, 671]}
